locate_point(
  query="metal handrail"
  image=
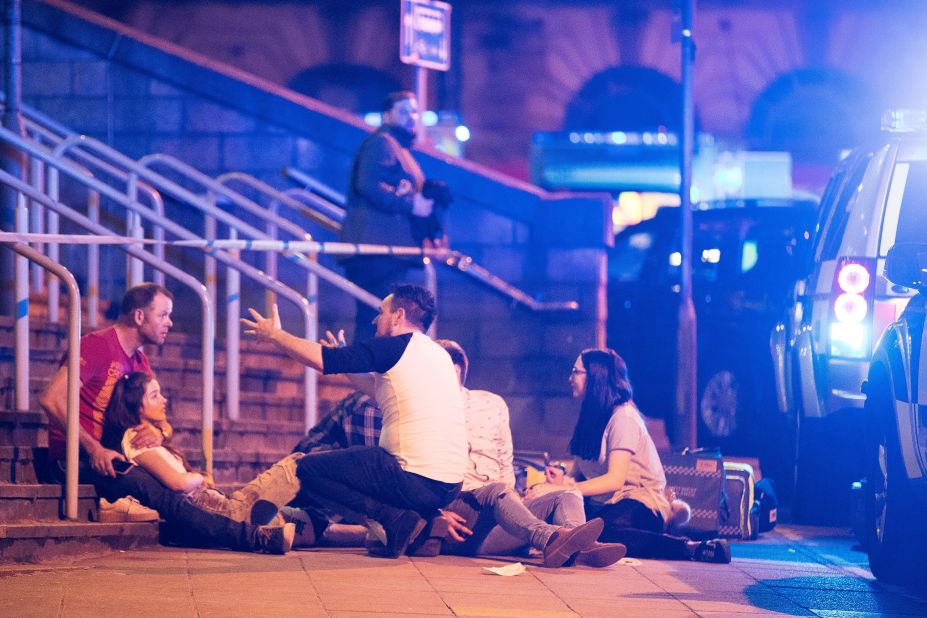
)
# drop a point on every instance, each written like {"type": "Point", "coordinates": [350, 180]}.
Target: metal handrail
{"type": "Point", "coordinates": [72, 424]}
{"type": "Point", "coordinates": [208, 323]}
{"type": "Point", "coordinates": [452, 259]}
{"type": "Point", "coordinates": [63, 138]}
{"type": "Point", "coordinates": [133, 187]}
{"type": "Point", "coordinates": [317, 187]}
{"type": "Point", "coordinates": [179, 231]}
{"type": "Point", "coordinates": [174, 189]}
{"type": "Point", "coordinates": [282, 197]}
{"type": "Point", "coordinates": [310, 204]}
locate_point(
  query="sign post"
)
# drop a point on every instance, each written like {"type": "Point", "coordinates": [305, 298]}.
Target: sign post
{"type": "Point", "coordinates": [425, 43]}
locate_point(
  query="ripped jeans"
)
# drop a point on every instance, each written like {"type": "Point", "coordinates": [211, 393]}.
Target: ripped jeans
{"type": "Point", "coordinates": [504, 524]}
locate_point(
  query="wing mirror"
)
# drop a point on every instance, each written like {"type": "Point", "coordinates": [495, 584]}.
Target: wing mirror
{"type": "Point", "coordinates": [906, 264]}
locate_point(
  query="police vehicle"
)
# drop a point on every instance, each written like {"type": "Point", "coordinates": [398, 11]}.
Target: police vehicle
{"type": "Point", "coordinates": [876, 198]}
{"type": "Point", "coordinates": [896, 430]}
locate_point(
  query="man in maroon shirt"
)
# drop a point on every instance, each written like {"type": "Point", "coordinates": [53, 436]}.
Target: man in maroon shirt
{"type": "Point", "coordinates": [105, 356]}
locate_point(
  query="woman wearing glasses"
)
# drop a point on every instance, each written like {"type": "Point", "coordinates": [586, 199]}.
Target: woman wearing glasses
{"type": "Point", "coordinates": [617, 468]}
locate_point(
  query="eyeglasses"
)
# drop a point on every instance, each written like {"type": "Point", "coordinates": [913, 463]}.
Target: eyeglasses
{"type": "Point", "coordinates": [574, 371]}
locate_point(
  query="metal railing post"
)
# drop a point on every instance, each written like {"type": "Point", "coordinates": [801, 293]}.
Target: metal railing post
{"type": "Point", "coordinates": [232, 337]}
{"type": "Point", "coordinates": [52, 250]}
{"type": "Point", "coordinates": [93, 265]}
{"type": "Point", "coordinates": [37, 220]}
{"type": "Point", "coordinates": [431, 284]}
{"type": "Point", "coordinates": [72, 425]}
{"type": "Point", "coordinates": [21, 278]}
{"type": "Point", "coordinates": [310, 377]}
{"type": "Point", "coordinates": [209, 233]}
{"type": "Point", "coordinates": [135, 272]}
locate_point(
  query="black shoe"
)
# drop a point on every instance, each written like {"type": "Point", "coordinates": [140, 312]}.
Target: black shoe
{"type": "Point", "coordinates": [566, 542]}
{"type": "Point", "coordinates": [400, 531]}
{"type": "Point", "coordinates": [601, 555]}
{"type": "Point", "coordinates": [713, 550]}
{"type": "Point", "coordinates": [263, 512]}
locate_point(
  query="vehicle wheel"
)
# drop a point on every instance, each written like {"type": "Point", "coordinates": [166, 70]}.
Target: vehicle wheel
{"type": "Point", "coordinates": [720, 404]}
{"type": "Point", "coordinates": [890, 518]}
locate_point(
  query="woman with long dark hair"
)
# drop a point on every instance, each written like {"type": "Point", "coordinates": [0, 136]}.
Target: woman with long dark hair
{"type": "Point", "coordinates": [242, 517]}
{"type": "Point", "coordinates": [617, 468]}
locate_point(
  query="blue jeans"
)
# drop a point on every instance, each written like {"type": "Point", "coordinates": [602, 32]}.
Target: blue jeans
{"type": "Point", "coordinates": [504, 524]}
{"type": "Point", "coordinates": [186, 524]}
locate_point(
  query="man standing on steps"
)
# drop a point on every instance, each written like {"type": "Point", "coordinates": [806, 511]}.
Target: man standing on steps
{"type": "Point", "coordinates": [419, 464]}
{"type": "Point", "coordinates": [386, 205]}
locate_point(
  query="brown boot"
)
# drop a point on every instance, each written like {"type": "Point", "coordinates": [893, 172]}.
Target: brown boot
{"type": "Point", "coordinates": [258, 501]}
{"type": "Point", "coordinates": [567, 542]}
{"type": "Point", "coordinates": [601, 555]}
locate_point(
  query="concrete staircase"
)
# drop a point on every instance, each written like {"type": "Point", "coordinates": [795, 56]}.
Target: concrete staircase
{"type": "Point", "coordinates": [271, 422]}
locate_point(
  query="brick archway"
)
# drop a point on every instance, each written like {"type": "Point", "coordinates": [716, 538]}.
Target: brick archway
{"type": "Point", "coordinates": [630, 98]}
{"type": "Point", "coordinates": [814, 114]}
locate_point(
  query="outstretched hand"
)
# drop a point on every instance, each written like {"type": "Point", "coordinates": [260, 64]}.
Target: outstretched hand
{"type": "Point", "coordinates": [261, 327]}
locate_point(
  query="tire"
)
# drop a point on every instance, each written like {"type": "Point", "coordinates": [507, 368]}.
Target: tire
{"type": "Point", "coordinates": [889, 510]}
{"type": "Point", "coordinates": [720, 404]}
{"type": "Point", "coordinates": [729, 416]}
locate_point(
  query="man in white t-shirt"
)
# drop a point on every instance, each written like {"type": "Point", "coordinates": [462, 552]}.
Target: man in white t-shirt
{"type": "Point", "coordinates": [419, 464]}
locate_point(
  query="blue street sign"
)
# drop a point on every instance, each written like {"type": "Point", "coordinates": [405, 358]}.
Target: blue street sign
{"type": "Point", "coordinates": [425, 34]}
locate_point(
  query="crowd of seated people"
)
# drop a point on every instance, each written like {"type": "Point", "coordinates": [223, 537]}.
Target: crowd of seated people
{"type": "Point", "coordinates": [413, 462]}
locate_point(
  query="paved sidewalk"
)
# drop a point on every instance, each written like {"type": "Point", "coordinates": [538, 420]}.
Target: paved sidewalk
{"type": "Point", "coordinates": [795, 571]}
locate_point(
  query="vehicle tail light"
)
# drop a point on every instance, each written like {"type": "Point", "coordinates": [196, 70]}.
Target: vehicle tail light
{"type": "Point", "coordinates": [851, 309]}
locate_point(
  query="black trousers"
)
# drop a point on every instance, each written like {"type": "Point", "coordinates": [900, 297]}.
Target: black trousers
{"type": "Point", "coordinates": [186, 524]}
{"type": "Point", "coordinates": [367, 481]}
{"type": "Point", "coordinates": [632, 523]}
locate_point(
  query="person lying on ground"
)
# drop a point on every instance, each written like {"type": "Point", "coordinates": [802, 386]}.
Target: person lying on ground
{"type": "Point", "coordinates": [238, 521]}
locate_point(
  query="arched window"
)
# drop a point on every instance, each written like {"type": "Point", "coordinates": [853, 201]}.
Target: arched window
{"type": "Point", "coordinates": [626, 98]}
{"type": "Point", "coordinates": [814, 114]}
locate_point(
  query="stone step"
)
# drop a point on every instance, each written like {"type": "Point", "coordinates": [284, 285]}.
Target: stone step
{"type": "Point", "coordinates": [40, 541]}
{"type": "Point", "coordinates": [44, 502]}
{"type": "Point", "coordinates": [243, 435]}
{"type": "Point", "coordinates": [17, 464]}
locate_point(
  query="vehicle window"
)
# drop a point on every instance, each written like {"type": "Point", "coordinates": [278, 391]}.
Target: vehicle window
{"type": "Point", "coordinates": [830, 235]}
{"type": "Point", "coordinates": [629, 255]}
{"type": "Point", "coordinates": [771, 260]}
{"type": "Point", "coordinates": [908, 222]}
{"type": "Point", "coordinates": [712, 252]}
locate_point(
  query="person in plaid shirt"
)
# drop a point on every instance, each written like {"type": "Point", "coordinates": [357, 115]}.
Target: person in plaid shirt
{"type": "Point", "coordinates": [355, 421]}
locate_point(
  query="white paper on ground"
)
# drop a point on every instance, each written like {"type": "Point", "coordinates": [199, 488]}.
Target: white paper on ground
{"type": "Point", "coordinates": [509, 570]}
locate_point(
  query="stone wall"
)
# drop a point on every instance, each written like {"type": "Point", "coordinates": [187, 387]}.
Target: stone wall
{"type": "Point", "coordinates": [142, 95]}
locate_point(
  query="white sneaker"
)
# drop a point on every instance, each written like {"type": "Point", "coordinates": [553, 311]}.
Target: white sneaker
{"type": "Point", "coordinates": [125, 509]}
{"type": "Point", "coordinates": [305, 532]}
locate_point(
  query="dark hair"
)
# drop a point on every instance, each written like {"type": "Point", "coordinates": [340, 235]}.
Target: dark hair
{"type": "Point", "coordinates": [124, 409]}
{"type": "Point", "coordinates": [458, 356]}
{"type": "Point", "coordinates": [607, 386]}
{"type": "Point", "coordinates": [393, 98]}
{"type": "Point", "coordinates": [418, 303]}
{"type": "Point", "coordinates": [140, 296]}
